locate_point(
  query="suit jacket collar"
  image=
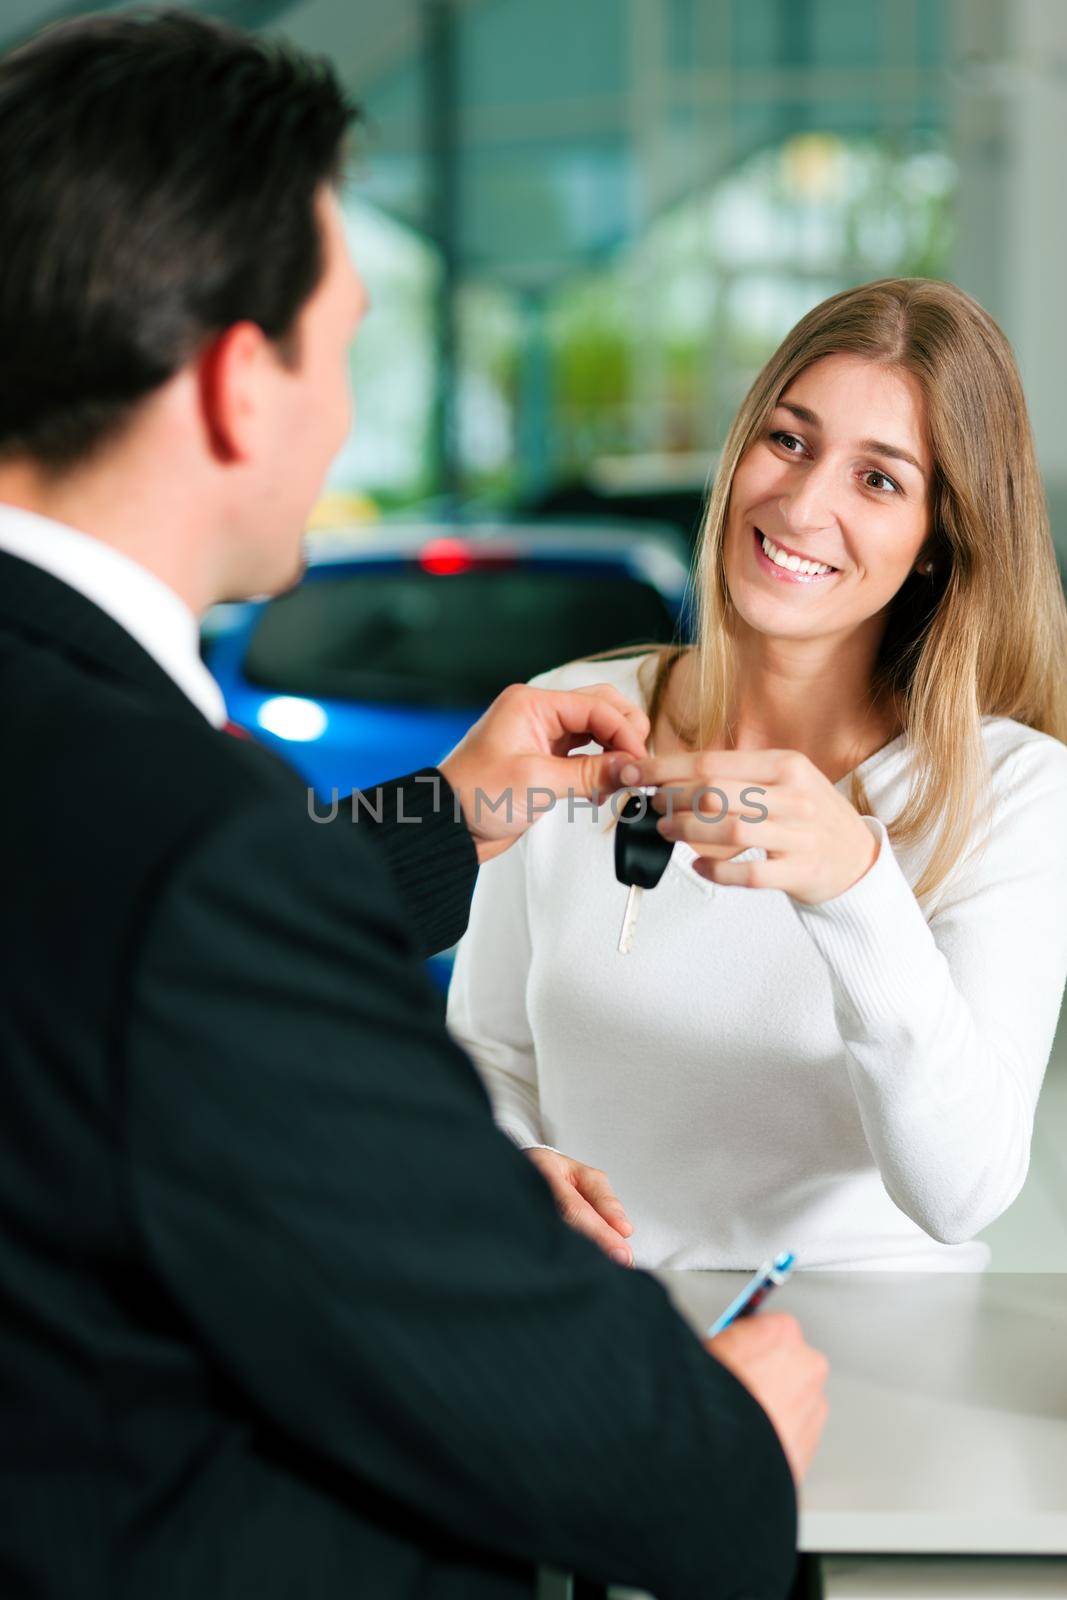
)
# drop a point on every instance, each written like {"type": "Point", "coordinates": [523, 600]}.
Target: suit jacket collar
{"type": "Point", "coordinates": [36, 605]}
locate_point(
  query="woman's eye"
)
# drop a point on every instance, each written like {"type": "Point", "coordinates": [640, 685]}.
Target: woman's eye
{"type": "Point", "coordinates": [881, 482]}
{"type": "Point", "coordinates": [788, 441]}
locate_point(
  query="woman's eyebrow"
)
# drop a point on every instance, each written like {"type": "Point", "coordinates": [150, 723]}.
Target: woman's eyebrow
{"type": "Point", "coordinates": [801, 412]}
{"type": "Point", "coordinates": [878, 446]}
{"type": "Point", "coordinates": [894, 450]}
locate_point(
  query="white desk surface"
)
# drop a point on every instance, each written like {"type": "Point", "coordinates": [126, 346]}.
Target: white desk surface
{"type": "Point", "coordinates": [948, 1407]}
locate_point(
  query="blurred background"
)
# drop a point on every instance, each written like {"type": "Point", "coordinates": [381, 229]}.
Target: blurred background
{"type": "Point", "coordinates": [584, 225]}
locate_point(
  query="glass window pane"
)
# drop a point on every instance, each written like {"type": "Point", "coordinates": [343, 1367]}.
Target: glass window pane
{"type": "Point", "coordinates": [412, 637]}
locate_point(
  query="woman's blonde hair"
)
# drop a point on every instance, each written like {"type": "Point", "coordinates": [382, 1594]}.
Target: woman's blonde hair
{"type": "Point", "coordinates": [987, 633]}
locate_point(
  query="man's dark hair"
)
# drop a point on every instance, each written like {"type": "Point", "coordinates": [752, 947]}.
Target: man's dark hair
{"type": "Point", "coordinates": [158, 174]}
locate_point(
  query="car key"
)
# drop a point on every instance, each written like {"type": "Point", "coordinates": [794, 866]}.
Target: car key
{"type": "Point", "coordinates": [641, 856]}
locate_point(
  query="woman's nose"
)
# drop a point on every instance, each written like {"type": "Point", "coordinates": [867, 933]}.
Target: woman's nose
{"type": "Point", "coordinates": [809, 504]}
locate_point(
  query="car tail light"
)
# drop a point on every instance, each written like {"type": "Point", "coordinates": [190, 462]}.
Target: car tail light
{"type": "Point", "coordinates": [445, 557]}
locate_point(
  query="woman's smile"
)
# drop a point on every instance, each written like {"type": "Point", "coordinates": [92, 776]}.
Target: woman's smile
{"type": "Point", "coordinates": [786, 566]}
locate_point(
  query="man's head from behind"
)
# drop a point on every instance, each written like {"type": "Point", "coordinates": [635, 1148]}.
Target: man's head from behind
{"type": "Point", "coordinates": [176, 299]}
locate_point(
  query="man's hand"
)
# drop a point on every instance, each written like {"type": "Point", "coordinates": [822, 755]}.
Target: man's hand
{"type": "Point", "coordinates": [586, 1202]}
{"type": "Point", "coordinates": [767, 1352]}
{"type": "Point", "coordinates": [514, 764]}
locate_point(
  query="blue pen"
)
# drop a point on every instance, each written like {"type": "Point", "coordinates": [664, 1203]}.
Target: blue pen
{"type": "Point", "coordinates": [770, 1276]}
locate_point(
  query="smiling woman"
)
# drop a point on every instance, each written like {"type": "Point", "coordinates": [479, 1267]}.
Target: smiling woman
{"type": "Point", "coordinates": [889, 437]}
{"type": "Point", "coordinates": [834, 1025]}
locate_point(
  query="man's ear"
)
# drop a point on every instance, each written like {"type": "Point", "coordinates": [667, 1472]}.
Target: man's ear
{"type": "Point", "coordinates": [231, 372]}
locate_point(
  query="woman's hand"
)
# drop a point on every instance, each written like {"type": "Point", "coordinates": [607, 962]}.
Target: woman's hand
{"type": "Point", "coordinates": [586, 1202]}
{"type": "Point", "coordinates": [724, 801]}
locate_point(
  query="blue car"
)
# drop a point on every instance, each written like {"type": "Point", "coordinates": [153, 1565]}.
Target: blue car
{"type": "Point", "coordinates": [396, 641]}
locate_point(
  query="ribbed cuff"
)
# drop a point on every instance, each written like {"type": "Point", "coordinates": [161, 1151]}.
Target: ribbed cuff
{"type": "Point", "coordinates": [875, 938]}
{"type": "Point", "coordinates": [419, 825]}
{"type": "Point", "coordinates": [521, 1137]}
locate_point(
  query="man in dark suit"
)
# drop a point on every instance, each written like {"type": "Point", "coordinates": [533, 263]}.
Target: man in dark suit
{"type": "Point", "coordinates": [281, 1313]}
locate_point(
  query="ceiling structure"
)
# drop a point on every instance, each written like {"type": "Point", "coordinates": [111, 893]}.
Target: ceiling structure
{"type": "Point", "coordinates": [572, 126]}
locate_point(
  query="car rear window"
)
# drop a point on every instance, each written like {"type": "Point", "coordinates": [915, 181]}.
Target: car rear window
{"type": "Point", "coordinates": [417, 638]}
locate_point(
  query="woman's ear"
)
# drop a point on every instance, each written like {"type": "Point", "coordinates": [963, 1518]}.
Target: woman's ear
{"type": "Point", "coordinates": [930, 558]}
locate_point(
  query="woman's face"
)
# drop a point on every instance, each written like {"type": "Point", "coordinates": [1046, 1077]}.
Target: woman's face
{"type": "Point", "coordinates": [840, 477]}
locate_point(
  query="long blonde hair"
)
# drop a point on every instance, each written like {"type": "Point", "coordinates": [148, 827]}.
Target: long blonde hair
{"type": "Point", "coordinates": [987, 634]}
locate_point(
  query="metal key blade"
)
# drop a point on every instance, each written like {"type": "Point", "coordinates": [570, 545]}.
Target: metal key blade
{"type": "Point", "coordinates": [629, 920]}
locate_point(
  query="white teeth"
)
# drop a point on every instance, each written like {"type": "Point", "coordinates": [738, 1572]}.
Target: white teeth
{"type": "Point", "coordinates": [793, 563]}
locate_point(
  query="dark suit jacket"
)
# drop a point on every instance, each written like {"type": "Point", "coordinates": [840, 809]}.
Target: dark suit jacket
{"type": "Point", "coordinates": [281, 1313]}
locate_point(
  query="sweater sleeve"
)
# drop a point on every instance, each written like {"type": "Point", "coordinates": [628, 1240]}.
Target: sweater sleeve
{"type": "Point", "coordinates": [949, 1022]}
{"type": "Point", "coordinates": [487, 996]}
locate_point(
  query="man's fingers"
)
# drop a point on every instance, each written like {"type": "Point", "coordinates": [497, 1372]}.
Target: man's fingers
{"type": "Point", "coordinates": [614, 728]}
{"type": "Point", "coordinates": [524, 742]}
{"type": "Point", "coordinates": [777, 1327]}
{"type": "Point", "coordinates": [755, 1335]}
{"type": "Point", "coordinates": [604, 715]}
{"type": "Point", "coordinates": [595, 777]}
{"type": "Point", "coordinates": [630, 710]}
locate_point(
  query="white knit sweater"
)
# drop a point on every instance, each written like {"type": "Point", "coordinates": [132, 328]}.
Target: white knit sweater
{"type": "Point", "coordinates": [855, 1081]}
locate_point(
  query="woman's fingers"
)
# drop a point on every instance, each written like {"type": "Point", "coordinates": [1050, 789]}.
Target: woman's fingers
{"type": "Point", "coordinates": [711, 799]}
{"type": "Point", "coordinates": [577, 1213]}
{"type": "Point", "coordinates": [600, 1217]}
{"type": "Point", "coordinates": [731, 836]}
{"type": "Point", "coordinates": [721, 766]}
{"type": "Point", "coordinates": [593, 1184]}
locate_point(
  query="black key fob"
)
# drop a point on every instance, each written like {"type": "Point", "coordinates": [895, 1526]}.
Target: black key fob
{"type": "Point", "coordinates": [641, 853]}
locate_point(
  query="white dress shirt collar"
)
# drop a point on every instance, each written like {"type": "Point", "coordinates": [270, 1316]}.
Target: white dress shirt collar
{"type": "Point", "coordinates": [148, 609]}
